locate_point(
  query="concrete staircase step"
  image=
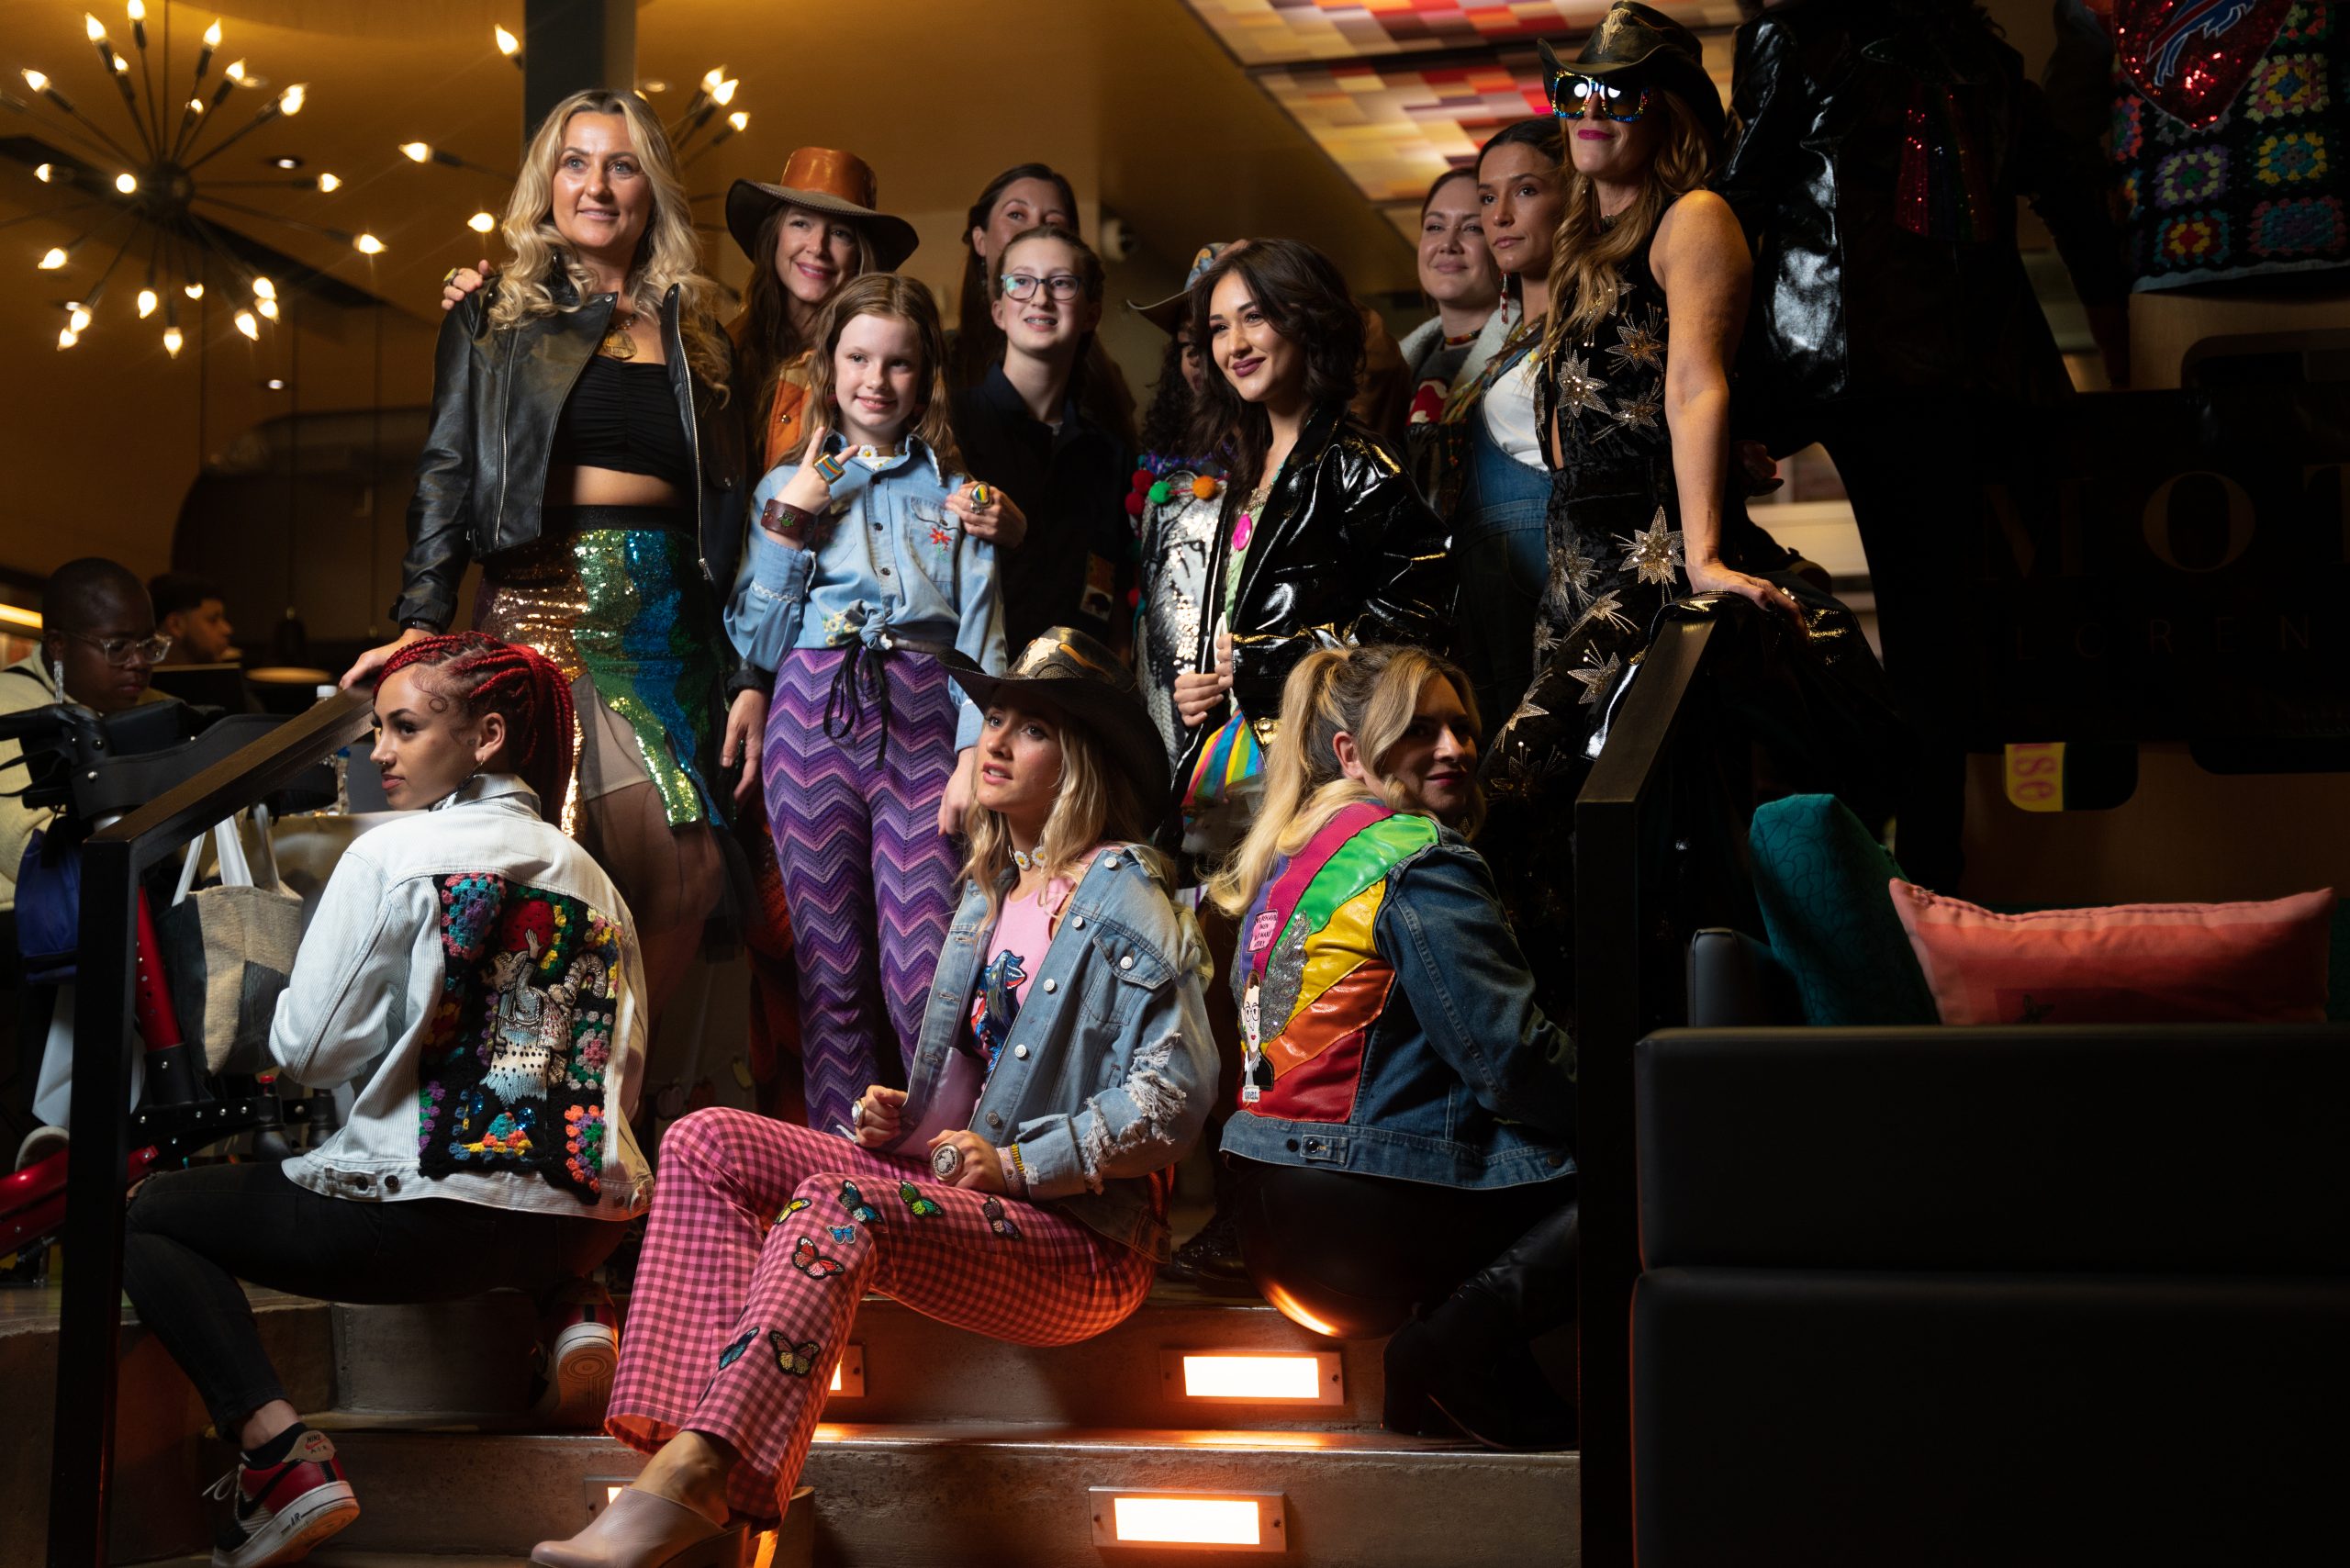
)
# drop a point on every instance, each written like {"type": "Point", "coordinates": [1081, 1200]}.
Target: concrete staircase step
{"type": "Point", "coordinates": [471, 1358]}
{"type": "Point", "coordinates": [918, 1495]}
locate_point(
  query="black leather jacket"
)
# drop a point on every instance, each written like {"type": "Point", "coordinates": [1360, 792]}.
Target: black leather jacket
{"type": "Point", "coordinates": [1345, 552]}
{"type": "Point", "coordinates": [496, 398]}
{"type": "Point", "coordinates": [1847, 302]}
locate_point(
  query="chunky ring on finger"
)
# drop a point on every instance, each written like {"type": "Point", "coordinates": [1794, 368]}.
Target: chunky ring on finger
{"type": "Point", "coordinates": [450, 277]}
{"type": "Point", "coordinates": [946, 1159]}
{"type": "Point", "coordinates": [857, 1114]}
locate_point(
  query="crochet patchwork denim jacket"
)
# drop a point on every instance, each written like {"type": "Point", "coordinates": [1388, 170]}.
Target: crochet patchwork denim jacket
{"type": "Point", "coordinates": [475, 976]}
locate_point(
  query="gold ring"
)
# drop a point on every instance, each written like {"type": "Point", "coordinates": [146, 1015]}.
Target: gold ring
{"type": "Point", "coordinates": [450, 277]}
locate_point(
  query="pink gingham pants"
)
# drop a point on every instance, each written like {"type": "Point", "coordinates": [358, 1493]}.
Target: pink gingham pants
{"type": "Point", "coordinates": [764, 1236]}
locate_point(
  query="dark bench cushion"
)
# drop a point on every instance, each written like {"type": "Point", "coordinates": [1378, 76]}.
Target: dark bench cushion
{"type": "Point", "coordinates": [2211, 1150]}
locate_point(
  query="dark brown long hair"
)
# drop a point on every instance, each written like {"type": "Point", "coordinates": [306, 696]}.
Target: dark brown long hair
{"type": "Point", "coordinates": [1305, 298]}
{"type": "Point", "coordinates": [979, 341]}
{"type": "Point", "coordinates": [768, 340]}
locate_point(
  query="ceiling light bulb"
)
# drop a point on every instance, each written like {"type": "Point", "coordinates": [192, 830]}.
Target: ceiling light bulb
{"type": "Point", "coordinates": [52, 259]}
{"type": "Point", "coordinates": [172, 341]}
{"type": "Point", "coordinates": [653, 84]}
{"type": "Point", "coordinates": [235, 72]}
{"type": "Point", "coordinates": [121, 65]}
{"type": "Point", "coordinates": [78, 318]}
{"type": "Point", "coordinates": [195, 106]}
{"type": "Point", "coordinates": [740, 120]}
{"type": "Point", "coordinates": [329, 183]}
{"type": "Point", "coordinates": [712, 77]}
{"type": "Point", "coordinates": [247, 325]}
{"type": "Point", "coordinates": [147, 302]}
{"type": "Point", "coordinates": [127, 184]}
{"type": "Point", "coordinates": [417, 152]}
{"type": "Point", "coordinates": [368, 245]}
{"type": "Point", "coordinates": [94, 27]}
{"type": "Point", "coordinates": [267, 308]}
{"type": "Point", "coordinates": [481, 223]}
{"type": "Point", "coordinates": [212, 36]}
{"type": "Point", "coordinates": [507, 42]}
{"type": "Point", "coordinates": [42, 172]}
{"type": "Point", "coordinates": [275, 384]}
{"type": "Point", "coordinates": [35, 80]}
{"type": "Point", "coordinates": [724, 92]}
{"type": "Point", "coordinates": [290, 100]}
{"type": "Point", "coordinates": [67, 338]}
{"type": "Point", "coordinates": [264, 289]}
{"type": "Point", "coordinates": [137, 10]}
{"type": "Point", "coordinates": [193, 290]}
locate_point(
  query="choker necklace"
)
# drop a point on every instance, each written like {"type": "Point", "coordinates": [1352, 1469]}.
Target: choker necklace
{"type": "Point", "coordinates": [1028, 860]}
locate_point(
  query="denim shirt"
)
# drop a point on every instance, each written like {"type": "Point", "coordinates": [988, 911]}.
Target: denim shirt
{"type": "Point", "coordinates": [1109, 1072]}
{"type": "Point", "coordinates": [889, 562]}
{"type": "Point", "coordinates": [1463, 1082]}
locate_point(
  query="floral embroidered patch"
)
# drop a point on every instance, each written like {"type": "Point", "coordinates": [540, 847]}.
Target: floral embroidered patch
{"type": "Point", "coordinates": [516, 1048]}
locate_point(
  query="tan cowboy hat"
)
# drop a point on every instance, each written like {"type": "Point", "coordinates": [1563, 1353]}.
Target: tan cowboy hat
{"type": "Point", "coordinates": [821, 180]}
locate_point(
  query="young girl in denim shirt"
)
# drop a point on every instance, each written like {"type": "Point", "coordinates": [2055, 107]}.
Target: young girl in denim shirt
{"type": "Point", "coordinates": [863, 584]}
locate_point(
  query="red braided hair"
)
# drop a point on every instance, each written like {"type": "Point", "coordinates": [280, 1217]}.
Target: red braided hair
{"type": "Point", "coordinates": [516, 682]}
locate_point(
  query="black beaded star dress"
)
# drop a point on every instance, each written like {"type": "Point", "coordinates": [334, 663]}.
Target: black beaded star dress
{"type": "Point", "coordinates": [1614, 532]}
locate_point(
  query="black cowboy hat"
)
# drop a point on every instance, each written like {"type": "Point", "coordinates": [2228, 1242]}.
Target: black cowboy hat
{"type": "Point", "coordinates": [1168, 314]}
{"type": "Point", "coordinates": [821, 180]}
{"type": "Point", "coordinates": [1644, 45]}
{"type": "Point", "coordinates": [1071, 673]}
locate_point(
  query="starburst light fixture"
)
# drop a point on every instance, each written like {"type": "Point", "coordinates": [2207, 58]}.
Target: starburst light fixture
{"type": "Point", "coordinates": [150, 177]}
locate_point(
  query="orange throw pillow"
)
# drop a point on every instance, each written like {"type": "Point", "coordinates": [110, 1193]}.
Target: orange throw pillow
{"type": "Point", "coordinates": [2138, 963]}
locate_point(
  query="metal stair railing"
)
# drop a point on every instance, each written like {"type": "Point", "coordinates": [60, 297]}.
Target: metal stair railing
{"type": "Point", "coordinates": [90, 1313]}
{"type": "Point", "coordinates": [1622, 991]}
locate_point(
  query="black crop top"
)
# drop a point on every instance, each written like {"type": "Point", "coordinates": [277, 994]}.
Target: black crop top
{"type": "Point", "coordinates": [625, 417]}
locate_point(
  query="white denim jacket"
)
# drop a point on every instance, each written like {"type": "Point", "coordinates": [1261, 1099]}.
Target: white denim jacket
{"type": "Point", "coordinates": [475, 975]}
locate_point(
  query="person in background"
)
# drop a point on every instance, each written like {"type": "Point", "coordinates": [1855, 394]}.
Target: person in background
{"type": "Point", "coordinates": [1893, 315]}
{"type": "Point", "coordinates": [98, 650]}
{"type": "Point", "coordinates": [1458, 277]}
{"type": "Point", "coordinates": [1177, 497]}
{"type": "Point", "coordinates": [1493, 478]}
{"type": "Point", "coordinates": [1322, 541]}
{"type": "Point", "coordinates": [1016, 1187]}
{"type": "Point", "coordinates": [861, 591]}
{"type": "Point", "coordinates": [1403, 1148]}
{"type": "Point", "coordinates": [585, 445]}
{"type": "Point", "coordinates": [1023, 428]}
{"type": "Point", "coordinates": [190, 613]}
{"type": "Point", "coordinates": [471, 973]}
{"type": "Point", "coordinates": [1024, 197]}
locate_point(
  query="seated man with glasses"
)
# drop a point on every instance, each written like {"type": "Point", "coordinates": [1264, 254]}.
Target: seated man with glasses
{"type": "Point", "coordinates": [99, 648]}
{"type": "Point", "coordinates": [1023, 429]}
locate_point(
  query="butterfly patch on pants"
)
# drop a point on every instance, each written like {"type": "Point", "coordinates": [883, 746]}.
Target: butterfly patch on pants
{"type": "Point", "coordinates": [734, 1349]}
{"type": "Point", "coordinates": [799, 1360]}
{"type": "Point", "coordinates": [916, 1202]}
{"type": "Point", "coordinates": [996, 1220]}
{"type": "Point", "coordinates": [854, 1203]}
{"type": "Point", "coordinates": [791, 1208]}
{"type": "Point", "coordinates": [814, 1264]}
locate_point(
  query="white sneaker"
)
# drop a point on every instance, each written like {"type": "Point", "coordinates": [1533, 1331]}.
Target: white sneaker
{"type": "Point", "coordinates": [39, 1144]}
{"type": "Point", "coordinates": [580, 1364]}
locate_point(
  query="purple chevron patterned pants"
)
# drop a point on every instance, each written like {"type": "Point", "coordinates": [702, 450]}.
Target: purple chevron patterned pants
{"type": "Point", "coordinates": [867, 877]}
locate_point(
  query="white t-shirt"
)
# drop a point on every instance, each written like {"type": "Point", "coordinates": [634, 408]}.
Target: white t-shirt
{"type": "Point", "coordinates": [1509, 414]}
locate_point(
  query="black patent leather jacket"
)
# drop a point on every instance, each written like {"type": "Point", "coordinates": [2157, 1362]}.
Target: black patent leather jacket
{"type": "Point", "coordinates": [496, 398]}
{"type": "Point", "coordinates": [1847, 302]}
{"type": "Point", "coordinates": [1344, 553]}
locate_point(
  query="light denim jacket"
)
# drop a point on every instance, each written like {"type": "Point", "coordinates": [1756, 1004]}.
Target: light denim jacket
{"type": "Point", "coordinates": [896, 563]}
{"type": "Point", "coordinates": [1109, 1069]}
{"type": "Point", "coordinates": [1463, 1082]}
{"type": "Point", "coordinates": [373, 987]}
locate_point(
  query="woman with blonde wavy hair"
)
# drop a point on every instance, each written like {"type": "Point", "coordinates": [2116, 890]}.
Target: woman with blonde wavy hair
{"type": "Point", "coordinates": [582, 450]}
{"type": "Point", "coordinates": [1403, 1145]}
{"type": "Point", "coordinates": [1017, 1186]}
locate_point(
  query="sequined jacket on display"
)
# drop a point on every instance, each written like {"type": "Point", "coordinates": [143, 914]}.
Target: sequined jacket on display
{"type": "Point", "coordinates": [1883, 262]}
{"type": "Point", "coordinates": [1396, 1015]}
{"type": "Point", "coordinates": [1345, 552]}
{"type": "Point", "coordinates": [496, 397]}
{"type": "Point", "coordinates": [1109, 1070]}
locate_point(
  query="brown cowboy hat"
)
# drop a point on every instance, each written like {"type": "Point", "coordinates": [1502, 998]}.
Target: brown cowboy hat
{"type": "Point", "coordinates": [1075, 675]}
{"type": "Point", "coordinates": [1168, 314]}
{"type": "Point", "coordinates": [821, 180]}
{"type": "Point", "coordinates": [1646, 47]}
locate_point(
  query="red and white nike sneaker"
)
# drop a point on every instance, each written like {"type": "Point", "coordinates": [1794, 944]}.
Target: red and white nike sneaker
{"type": "Point", "coordinates": [283, 1509]}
